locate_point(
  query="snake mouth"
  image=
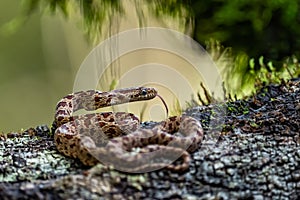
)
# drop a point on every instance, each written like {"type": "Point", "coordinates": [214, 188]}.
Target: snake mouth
{"type": "Point", "coordinates": [165, 104]}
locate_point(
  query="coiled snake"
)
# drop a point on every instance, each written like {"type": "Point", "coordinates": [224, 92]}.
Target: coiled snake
{"type": "Point", "coordinates": [115, 138]}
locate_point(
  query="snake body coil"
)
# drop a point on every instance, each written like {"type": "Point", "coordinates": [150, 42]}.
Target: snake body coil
{"type": "Point", "coordinates": [115, 138]}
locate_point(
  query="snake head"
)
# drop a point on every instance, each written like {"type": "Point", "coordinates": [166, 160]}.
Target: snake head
{"type": "Point", "coordinates": [149, 93]}
{"type": "Point", "coordinates": [144, 93]}
{"type": "Point", "coordinates": [141, 94]}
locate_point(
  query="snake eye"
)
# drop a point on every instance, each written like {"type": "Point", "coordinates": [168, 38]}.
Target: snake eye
{"type": "Point", "coordinates": [144, 92]}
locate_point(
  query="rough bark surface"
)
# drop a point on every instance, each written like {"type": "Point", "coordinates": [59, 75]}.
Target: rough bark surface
{"type": "Point", "coordinates": [251, 151]}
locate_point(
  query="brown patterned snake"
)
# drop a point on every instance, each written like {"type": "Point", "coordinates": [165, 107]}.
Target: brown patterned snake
{"type": "Point", "coordinates": [116, 138]}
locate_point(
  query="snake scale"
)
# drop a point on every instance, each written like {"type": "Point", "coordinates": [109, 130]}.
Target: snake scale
{"type": "Point", "coordinates": [115, 138]}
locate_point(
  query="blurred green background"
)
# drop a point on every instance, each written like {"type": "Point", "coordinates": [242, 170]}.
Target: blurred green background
{"type": "Point", "coordinates": [41, 53]}
{"type": "Point", "coordinates": [38, 62]}
{"type": "Point", "coordinates": [43, 43]}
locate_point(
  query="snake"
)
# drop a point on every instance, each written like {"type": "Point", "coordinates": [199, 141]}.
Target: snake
{"type": "Point", "coordinates": [117, 138]}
